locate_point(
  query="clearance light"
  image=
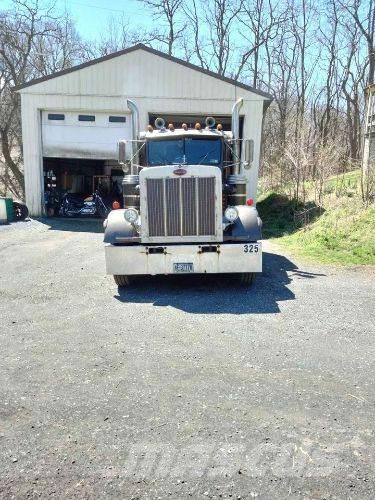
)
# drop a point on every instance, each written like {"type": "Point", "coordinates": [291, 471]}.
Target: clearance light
{"type": "Point", "coordinates": [184, 126]}
{"type": "Point", "coordinates": [198, 126]}
{"type": "Point", "coordinates": [249, 202]}
{"type": "Point", "coordinates": [219, 127]}
{"type": "Point", "coordinates": [171, 127]}
{"type": "Point", "coordinates": [115, 205]}
{"type": "Point", "coordinates": [150, 128]}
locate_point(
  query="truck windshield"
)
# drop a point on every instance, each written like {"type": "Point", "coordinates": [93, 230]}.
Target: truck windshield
{"type": "Point", "coordinates": [190, 151]}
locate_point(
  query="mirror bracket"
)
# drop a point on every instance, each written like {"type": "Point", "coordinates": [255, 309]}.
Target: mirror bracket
{"type": "Point", "coordinates": [249, 153]}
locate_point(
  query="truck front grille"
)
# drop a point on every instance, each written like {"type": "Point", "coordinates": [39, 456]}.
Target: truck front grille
{"type": "Point", "coordinates": [181, 206]}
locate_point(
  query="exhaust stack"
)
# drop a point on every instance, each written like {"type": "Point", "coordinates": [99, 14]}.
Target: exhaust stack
{"type": "Point", "coordinates": [135, 134]}
{"type": "Point", "coordinates": [237, 180]}
{"type": "Point", "coordinates": [236, 135]}
{"type": "Point", "coordinates": [130, 182]}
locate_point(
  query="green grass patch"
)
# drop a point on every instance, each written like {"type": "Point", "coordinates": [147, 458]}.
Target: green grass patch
{"type": "Point", "coordinates": [342, 233]}
{"type": "Point", "coordinates": [276, 211]}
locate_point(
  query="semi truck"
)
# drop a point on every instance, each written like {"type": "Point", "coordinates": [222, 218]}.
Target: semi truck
{"type": "Point", "coordinates": [185, 204]}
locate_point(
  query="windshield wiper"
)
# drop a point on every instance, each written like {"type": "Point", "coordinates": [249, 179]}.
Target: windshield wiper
{"type": "Point", "coordinates": [205, 156]}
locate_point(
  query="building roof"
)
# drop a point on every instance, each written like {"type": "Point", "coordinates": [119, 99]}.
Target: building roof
{"type": "Point", "coordinates": [141, 46]}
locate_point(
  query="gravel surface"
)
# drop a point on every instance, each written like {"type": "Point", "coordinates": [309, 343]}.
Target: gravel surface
{"type": "Point", "coordinates": [180, 387]}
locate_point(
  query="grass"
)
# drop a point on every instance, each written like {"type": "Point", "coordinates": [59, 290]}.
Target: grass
{"type": "Point", "coordinates": [276, 211]}
{"type": "Point", "coordinates": [342, 233]}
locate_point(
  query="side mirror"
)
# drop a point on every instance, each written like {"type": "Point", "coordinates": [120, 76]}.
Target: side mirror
{"type": "Point", "coordinates": [248, 153]}
{"type": "Point", "coordinates": [122, 152]}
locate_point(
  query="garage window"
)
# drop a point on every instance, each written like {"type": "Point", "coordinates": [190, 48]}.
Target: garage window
{"type": "Point", "coordinates": [86, 118]}
{"type": "Point", "coordinates": [56, 116]}
{"type": "Point", "coordinates": [117, 119]}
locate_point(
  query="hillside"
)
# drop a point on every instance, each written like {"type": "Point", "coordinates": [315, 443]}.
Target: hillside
{"type": "Point", "coordinates": [341, 231]}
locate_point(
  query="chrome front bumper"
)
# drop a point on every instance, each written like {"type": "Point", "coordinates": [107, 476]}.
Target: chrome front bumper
{"type": "Point", "coordinates": [205, 258]}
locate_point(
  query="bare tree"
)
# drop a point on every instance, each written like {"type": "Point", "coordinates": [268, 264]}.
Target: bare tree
{"type": "Point", "coordinates": [260, 22]}
{"type": "Point", "coordinates": [363, 14]}
{"type": "Point", "coordinates": [329, 57]}
{"type": "Point", "coordinates": [62, 48]}
{"type": "Point", "coordinates": [167, 12]}
{"type": "Point", "coordinates": [115, 37]}
{"type": "Point", "coordinates": [33, 42]}
{"type": "Point", "coordinates": [193, 15]}
{"type": "Point", "coordinates": [220, 16]}
{"type": "Point", "coordinates": [213, 25]}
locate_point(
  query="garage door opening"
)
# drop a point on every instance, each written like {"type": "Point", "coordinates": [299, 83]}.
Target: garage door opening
{"type": "Point", "coordinates": [83, 180]}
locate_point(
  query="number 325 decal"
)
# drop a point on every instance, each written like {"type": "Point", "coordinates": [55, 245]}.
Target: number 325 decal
{"type": "Point", "coordinates": [251, 248]}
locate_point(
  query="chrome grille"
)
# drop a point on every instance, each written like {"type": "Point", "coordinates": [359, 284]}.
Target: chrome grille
{"type": "Point", "coordinates": [155, 191]}
{"type": "Point", "coordinates": [181, 206]}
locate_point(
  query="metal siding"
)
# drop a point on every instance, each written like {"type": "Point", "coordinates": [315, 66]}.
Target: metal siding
{"type": "Point", "coordinates": [32, 156]}
{"type": "Point", "coordinates": [141, 74]}
{"type": "Point", "coordinates": [252, 129]}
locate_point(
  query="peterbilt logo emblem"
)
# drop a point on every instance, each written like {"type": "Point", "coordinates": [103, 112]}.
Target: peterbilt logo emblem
{"type": "Point", "coordinates": [179, 171]}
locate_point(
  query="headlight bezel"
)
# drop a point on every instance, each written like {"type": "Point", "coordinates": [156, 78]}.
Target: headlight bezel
{"type": "Point", "coordinates": [131, 219]}
{"type": "Point", "coordinates": [231, 214]}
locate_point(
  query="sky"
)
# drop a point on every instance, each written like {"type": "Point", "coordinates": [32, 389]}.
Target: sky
{"type": "Point", "coordinates": [91, 15]}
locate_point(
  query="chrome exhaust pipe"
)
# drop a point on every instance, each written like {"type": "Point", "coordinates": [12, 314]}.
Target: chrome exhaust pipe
{"type": "Point", "coordinates": [236, 135]}
{"type": "Point", "coordinates": [135, 134]}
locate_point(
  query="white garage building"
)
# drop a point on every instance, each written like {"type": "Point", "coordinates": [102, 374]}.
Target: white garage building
{"type": "Point", "coordinates": [73, 119]}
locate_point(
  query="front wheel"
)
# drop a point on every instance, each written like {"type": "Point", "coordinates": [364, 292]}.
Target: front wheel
{"type": "Point", "coordinates": [247, 279]}
{"type": "Point", "coordinates": [122, 280]}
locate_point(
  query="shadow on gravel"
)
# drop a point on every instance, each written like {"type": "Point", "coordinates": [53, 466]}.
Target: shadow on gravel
{"type": "Point", "coordinates": [212, 294]}
{"type": "Point", "coordinates": [76, 225]}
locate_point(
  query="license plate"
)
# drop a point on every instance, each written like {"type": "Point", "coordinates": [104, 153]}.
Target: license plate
{"type": "Point", "coordinates": [183, 267]}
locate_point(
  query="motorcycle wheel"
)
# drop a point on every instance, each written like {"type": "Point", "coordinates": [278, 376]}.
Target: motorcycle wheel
{"type": "Point", "coordinates": [103, 212]}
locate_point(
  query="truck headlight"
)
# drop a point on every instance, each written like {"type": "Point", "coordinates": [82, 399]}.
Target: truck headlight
{"type": "Point", "coordinates": [231, 214]}
{"type": "Point", "coordinates": [131, 215]}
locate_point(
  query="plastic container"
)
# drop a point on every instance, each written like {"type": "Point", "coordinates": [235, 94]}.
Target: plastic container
{"type": "Point", "coordinates": [6, 210]}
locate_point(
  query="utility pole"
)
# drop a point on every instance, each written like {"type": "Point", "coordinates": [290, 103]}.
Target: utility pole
{"type": "Point", "coordinates": [368, 157]}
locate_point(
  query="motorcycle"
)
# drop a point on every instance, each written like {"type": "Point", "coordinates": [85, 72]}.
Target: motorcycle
{"type": "Point", "coordinates": [52, 201]}
{"type": "Point", "coordinates": [74, 205]}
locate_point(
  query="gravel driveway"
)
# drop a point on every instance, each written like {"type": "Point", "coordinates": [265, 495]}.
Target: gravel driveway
{"type": "Point", "coordinates": [180, 388]}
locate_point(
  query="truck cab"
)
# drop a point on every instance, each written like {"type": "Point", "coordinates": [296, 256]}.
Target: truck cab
{"type": "Point", "coordinates": [185, 206]}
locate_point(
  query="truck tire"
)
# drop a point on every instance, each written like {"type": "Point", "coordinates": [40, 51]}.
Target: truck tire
{"type": "Point", "coordinates": [247, 279]}
{"type": "Point", "coordinates": [122, 280]}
